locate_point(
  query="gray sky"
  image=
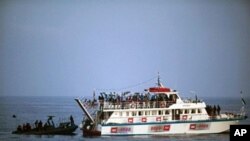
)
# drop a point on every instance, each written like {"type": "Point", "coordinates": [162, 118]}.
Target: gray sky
{"type": "Point", "coordinates": [63, 48]}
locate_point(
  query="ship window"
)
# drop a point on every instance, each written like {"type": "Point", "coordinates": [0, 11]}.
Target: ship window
{"type": "Point", "coordinates": [193, 111]}
{"type": "Point", "coordinates": [181, 111]}
{"type": "Point", "coordinates": [147, 112]}
{"type": "Point", "coordinates": [127, 114]}
{"type": "Point", "coordinates": [159, 113]}
{"type": "Point", "coordinates": [177, 112]}
{"type": "Point", "coordinates": [153, 112]}
{"type": "Point", "coordinates": [120, 113]}
{"type": "Point", "coordinates": [166, 112]}
{"type": "Point", "coordinates": [134, 113]}
{"type": "Point", "coordinates": [186, 111]}
{"type": "Point", "coordinates": [139, 113]}
{"type": "Point", "coordinates": [199, 110]}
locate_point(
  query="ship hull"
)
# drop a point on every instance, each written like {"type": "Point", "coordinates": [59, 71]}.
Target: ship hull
{"type": "Point", "coordinates": [168, 128]}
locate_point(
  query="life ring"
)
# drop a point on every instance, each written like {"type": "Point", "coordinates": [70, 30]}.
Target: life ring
{"type": "Point", "coordinates": [184, 117]}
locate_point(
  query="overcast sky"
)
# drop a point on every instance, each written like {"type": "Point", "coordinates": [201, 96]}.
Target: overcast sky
{"type": "Point", "coordinates": [70, 48]}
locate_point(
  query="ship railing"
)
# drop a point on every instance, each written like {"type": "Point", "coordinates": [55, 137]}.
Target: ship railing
{"type": "Point", "coordinates": [192, 101]}
{"type": "Point", "coordinates": [226, 115]}
{"type": "Point", "coordinates": [155, 118]}
{"type": "Point", "coordinates": [137, 105]}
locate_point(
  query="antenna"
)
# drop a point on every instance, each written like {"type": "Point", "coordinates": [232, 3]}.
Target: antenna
{"type": "Point", "coordinates": [158, 80]}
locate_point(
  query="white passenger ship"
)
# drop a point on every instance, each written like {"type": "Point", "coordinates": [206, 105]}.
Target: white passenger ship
{"type": "Point", "coordinates": [158, 111]}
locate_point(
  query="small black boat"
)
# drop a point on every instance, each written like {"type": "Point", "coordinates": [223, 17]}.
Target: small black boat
{"type": "Point", "coordinates": [64, 128]}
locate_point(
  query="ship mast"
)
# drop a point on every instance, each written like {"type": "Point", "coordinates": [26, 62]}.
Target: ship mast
{"type": "Point", "coordinates": [159, 81]}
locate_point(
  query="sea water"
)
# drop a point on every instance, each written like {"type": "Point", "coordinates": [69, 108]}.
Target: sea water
{"type": "Point", "coordinates": [29, 109]}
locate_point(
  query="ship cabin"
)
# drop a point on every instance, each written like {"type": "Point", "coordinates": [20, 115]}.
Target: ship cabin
{"type": "Point", "coordinates": [156, 104]}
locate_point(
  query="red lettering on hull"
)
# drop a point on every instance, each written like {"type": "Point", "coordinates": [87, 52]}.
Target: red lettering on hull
{"type": "Point", "coordinates": [130, 120]}
{"type": "Point", "coordinates": [144, 119]}
{"type": "Point", "coordinates": [166, 127]}
{"type": "Point", "coordinates": [199, 126]}
{"type": "Point", "coordinates": [114, 130]}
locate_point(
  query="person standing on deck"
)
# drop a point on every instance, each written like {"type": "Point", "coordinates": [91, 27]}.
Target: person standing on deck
{"type": "Point", "coordinates": [218, 109]}
{"type": "Point", "coordinates": [71, 120]}
{"type": "Point", "coordinates": [214, 110]}
{"type": "Point", "coordinates": [36, 124]}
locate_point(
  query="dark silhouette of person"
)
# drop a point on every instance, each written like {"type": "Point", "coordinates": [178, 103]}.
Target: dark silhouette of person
{"type": "Point", "coordinates": [46, 126]}
{"type": "Point", "coordinates": [214, 110]}
{"type": "Point", "coordinates": [28, 126]}
{"type": "Point", "coordinates": [40, 124]}
{"type": "Point", "coordinates": [209, 110]}
{"type": "Point", "coordinates": [218, 109]}
{"type": "Point", "coordinates": [19, 128]}
{"type": "Point", "coordinates": [50, 122]}
{"type": "Point", "coordinates": [71, 120]}
{"type": "Point", "coordinates": [36, 124]}
{"type": "Point", "coordinates": [24, 127]}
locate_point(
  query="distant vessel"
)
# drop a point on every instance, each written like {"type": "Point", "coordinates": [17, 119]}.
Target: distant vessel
{"type": "Point", "coordinates": [64, 128]}
{"type": "Point", "coordinates": [157, 111]}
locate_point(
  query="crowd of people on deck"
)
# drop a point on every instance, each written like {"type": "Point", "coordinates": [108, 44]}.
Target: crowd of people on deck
{"type": "Point", "coordinates": [90, 103]}
{"type": "Point", "coordinates": [126, 96]}
{"type": "Point", "coordinates": [139, 98]}
{"type": "Point", "coordinates": [213, 110]}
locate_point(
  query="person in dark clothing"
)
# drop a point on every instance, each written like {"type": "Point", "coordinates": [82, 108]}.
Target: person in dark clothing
{"type": "Point", "coordinates": [71, 120]}
{"type": "Point", "coordinates": [28, 126]}
{"type": "Point", "coordinates": [40, 124]}
{"type": "Point", "coordinates": [101, 100]}
{"type": "Point", "coordinates": [19, 128]}
{"type": "Point", "coordinates": [209, 110]}
{"type": "Point", "coordinates": [50, 121]}
{"type": "Point", "coordinates": [24, 127]}
{"type": "Point", "coordinates": [45, 126]}
{"type": "Point", "coordinates": [218, 109]}
{"type": "Point", "coordinates": [36, 124]}
{"type": "Point", "coordinates": [214, 110]}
